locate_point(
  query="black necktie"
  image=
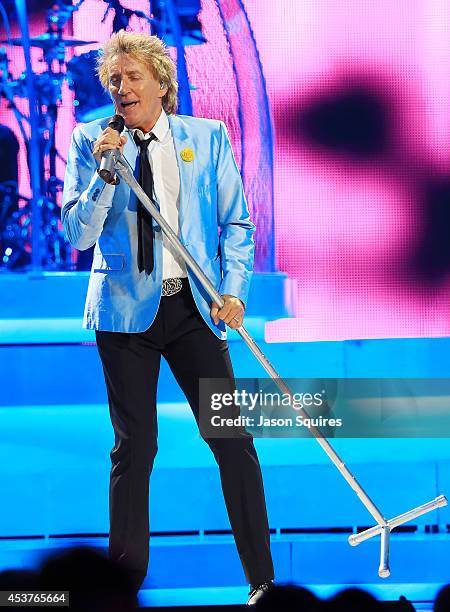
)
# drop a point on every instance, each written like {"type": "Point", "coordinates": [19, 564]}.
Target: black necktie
{"type": "Point", "coordinates": [145, 259]}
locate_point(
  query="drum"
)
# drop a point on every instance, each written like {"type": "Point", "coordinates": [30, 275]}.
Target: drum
{"type": "Point", "coordinates": [90, 97]}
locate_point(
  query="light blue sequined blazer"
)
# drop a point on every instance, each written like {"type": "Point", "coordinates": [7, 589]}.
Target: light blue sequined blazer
{"type": "Point", "coordinates": [119, 297]}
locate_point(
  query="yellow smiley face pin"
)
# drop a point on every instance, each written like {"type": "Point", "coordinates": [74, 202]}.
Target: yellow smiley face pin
{"type": "Point", "coordinates": [187, 155]}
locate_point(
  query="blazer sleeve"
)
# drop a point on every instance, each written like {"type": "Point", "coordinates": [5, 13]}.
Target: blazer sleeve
{"type": "Point", "coordinates": [86, 197]}
{"type": "Point", "coordinates": [236, 229]}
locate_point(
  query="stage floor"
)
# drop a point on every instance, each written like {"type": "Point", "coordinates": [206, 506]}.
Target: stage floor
{"type": "Point", "coordinates": [227, 596]}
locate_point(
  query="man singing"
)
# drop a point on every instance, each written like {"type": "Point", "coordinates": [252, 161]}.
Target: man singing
{"type": "Point", "coordinates": [144, 302]}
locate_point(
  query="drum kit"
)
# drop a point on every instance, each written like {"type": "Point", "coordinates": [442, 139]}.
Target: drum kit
{"type": "Point", "coordinates": [90, 103]}
{"type": "Point", "coordinates": [15, 210]}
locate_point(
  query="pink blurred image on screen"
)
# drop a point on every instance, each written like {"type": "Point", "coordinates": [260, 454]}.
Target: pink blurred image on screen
{"type": "Point", "coordinates": [360, 223]}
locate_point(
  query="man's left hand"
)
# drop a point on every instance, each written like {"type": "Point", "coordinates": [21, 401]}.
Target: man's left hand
{"type": "Point", "coordinates": [232, 312]}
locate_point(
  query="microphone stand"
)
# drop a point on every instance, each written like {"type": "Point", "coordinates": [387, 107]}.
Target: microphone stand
{"type": "Point", "coordinates": [383, 526]}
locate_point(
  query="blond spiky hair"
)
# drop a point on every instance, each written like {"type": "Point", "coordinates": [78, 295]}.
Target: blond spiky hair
{"type": "Point", "coordinates": [150, 51]}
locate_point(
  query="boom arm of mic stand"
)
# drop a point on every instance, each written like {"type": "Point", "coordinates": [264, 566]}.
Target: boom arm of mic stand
{"type": "Point", "coordinates": [383, 525]}
{"type": "Point", "coordinates": [124, 170]}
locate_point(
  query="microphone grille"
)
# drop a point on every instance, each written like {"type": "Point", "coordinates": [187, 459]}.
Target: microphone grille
{"type": "Point", "coordinates": [117, 123]}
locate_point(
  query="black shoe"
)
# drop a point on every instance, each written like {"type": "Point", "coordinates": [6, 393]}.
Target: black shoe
{"type": "Point", "coordinates": [256, 592]}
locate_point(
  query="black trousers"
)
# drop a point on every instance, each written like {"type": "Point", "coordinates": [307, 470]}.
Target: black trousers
{"type": "Point", "coordinates": [131, 367]}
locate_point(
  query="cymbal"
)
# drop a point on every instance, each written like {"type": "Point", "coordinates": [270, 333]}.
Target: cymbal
{"type": "Point", "coordinates": [47, 41]}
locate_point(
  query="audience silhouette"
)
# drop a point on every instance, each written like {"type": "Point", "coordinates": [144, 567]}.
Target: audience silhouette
{"type": "Point", "coordinates": [96, 583]}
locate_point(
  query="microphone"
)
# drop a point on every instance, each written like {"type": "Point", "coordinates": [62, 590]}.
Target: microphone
{"type": "Point", "coordinates": [106, 170]}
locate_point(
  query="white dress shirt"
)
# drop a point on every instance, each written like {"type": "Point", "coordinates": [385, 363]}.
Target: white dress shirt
{"type": "Point", "coordinates": [166, 182]}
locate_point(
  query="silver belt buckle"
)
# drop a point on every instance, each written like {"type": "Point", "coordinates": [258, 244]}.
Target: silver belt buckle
{"type": "Point", "coordinates": [170, 286]}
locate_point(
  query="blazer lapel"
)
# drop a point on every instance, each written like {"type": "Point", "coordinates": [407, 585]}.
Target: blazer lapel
{"type": "Point", "coordinates": [130, 154]}
{"type": "Point", "coordinates": [182, 143]}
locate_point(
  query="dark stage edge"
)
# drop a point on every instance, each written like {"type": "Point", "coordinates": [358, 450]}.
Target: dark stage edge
{"type": "Point", "coordinates": [394, 606]}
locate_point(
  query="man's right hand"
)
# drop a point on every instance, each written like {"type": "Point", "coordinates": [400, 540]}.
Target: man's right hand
{"type": "Point", "coordinates": [108, 139]}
